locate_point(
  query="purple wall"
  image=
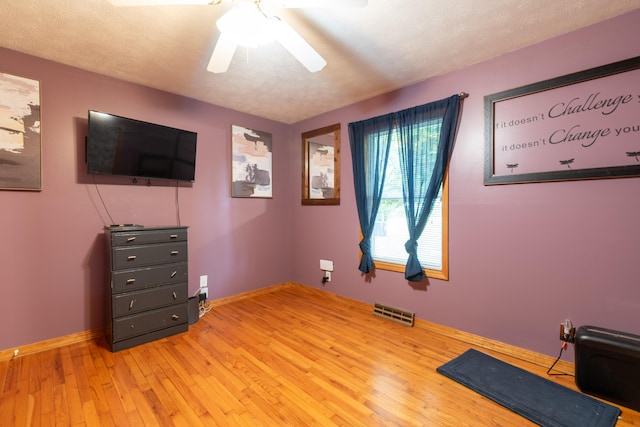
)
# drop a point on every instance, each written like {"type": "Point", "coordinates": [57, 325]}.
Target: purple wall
{"type": "Point", "coordinates": [52, 255]}
{"type": "Point", "coordinates": [522, 257]}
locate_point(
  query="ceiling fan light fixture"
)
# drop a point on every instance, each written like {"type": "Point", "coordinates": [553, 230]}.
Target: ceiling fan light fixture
{"type": "Point", "coordinates": [247, 26]}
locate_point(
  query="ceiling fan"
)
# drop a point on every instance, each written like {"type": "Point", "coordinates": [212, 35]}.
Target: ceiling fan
{"type": "Point", "coordinates": [248, 24]}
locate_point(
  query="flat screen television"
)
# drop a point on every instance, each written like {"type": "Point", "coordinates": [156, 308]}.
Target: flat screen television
{"type": "Point", "coordinates": [128, 147]}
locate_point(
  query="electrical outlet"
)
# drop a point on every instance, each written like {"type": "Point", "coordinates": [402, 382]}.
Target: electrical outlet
{"type": "Point", "coordinates": [205, 292]}
{"type": "Point", "coordinates": [567, 331]}
{"type": "Point", "coordinates": [203, 281]}
{"type": "Point", "coordinates": [326, 265]}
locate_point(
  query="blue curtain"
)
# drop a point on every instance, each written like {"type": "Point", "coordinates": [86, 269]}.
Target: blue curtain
{"type": "Point", "coordinates": [370, 142]}
{"type": "Point", "coordinates": [425, 140]}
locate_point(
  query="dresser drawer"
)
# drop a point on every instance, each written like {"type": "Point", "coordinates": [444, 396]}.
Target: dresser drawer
{"type": "Point", "coordinates": [149, 321]}
{"type": "Point", "coordinates": [135, 302]}
{"type": "Point", "coordinates": [162, 253]}
{"type": "Point", "coordinates": [141, 237]}
{"type": "Point", "coordinates": [145, 277]}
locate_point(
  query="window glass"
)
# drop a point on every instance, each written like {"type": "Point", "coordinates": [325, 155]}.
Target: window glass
{"type": "Point", "coordinates": [390, 230]}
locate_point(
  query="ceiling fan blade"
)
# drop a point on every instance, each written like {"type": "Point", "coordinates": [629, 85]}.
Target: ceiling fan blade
{"type": "Point", "coordinates": [222, 54]}
{"type": "Point", "coordinates": [158, 2]}
{"type": "Point", "coordinates": [317, 3]}
{"type": "Point", "coordinates": [298, 47]}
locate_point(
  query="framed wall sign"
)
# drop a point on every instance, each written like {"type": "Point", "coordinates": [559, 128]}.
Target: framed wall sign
{"type": "Point", "coordinates": [20, 140]}
{"type": "Point", "coordinates": [251, 158]}
{"type": "Point", "coordinates": [584, 125]}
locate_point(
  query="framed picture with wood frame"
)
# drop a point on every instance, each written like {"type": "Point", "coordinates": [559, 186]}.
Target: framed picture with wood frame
{"type": "Point", "coordinates": [321, 166]}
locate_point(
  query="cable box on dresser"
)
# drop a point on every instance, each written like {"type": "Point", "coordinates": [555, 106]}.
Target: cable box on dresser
{"type": "Point", "coordinates": [147, 284]}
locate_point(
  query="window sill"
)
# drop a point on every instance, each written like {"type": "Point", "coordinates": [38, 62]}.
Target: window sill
{"type": "Point", "coordinates": [432, 274]}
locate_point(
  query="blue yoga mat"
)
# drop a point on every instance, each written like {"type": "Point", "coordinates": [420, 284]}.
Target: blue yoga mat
{"type": "Point", "coordinates": [535, 398]}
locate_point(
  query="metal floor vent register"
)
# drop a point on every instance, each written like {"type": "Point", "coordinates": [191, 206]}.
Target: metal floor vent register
{"type": "Point", "coordinates": [392, 313]}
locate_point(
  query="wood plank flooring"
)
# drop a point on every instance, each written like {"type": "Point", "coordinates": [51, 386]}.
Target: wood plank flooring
{"type": "Point", "coordinates": [294, 357]}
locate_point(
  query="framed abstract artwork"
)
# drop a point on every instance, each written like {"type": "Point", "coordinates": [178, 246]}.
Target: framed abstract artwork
{"type": "Point", "coordinates": [252, 163]}
{"type": "Point", "coordinates": [20, 138]}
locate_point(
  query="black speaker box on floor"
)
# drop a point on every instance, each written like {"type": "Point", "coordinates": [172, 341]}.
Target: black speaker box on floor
{"type": "Point", "coordinates": [608, 365]}
{"type": "Point", "coordinates": [194, 310]}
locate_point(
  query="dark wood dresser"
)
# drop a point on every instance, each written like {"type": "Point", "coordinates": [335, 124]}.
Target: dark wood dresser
{"type": "Point", "coordinates": [147, 284]}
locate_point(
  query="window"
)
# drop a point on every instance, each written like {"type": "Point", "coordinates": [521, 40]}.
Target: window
{"type": "Point", "coordinates": [399, 170]}
{"type": "Point", "coordinates": [390, 230]}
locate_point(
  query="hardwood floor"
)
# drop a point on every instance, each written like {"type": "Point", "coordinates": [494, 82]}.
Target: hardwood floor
{"type": "Point", "coordinates": [294, 357]}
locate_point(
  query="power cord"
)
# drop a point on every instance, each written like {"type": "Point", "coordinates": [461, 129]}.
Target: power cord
{"type": "Point", "coordinates": [204, 308]}
{"type": "Point", "coordinates": [562, 348]}
{"type": "Point", "coordinates": [177, 204]}
{"type": "Point", "coordinates": [101, 199]}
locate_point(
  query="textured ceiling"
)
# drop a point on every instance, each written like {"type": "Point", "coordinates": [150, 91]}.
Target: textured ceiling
{"type": "Point", "coordinates": [372, 50]}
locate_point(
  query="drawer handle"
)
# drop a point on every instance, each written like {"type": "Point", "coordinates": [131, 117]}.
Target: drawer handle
{"type": "Point", "coordinates": [173, 273]}
{"type": "Point", "coordinates": [175, 316]}
{"type": "Point", "coordinates": [131, 281]}
{"type": "Point", "coordinates": [131, 304]}
{"type": "Point", "coordinates": [131, 258]}
{"type": "Point", "coordinates": [173, 236]}
{"type": "Point", "coordinates": [131, 239]}
{"type": "Point", "coordinates": [175, 296]}
{"type": "Point", "coordinates": [174, 252]}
